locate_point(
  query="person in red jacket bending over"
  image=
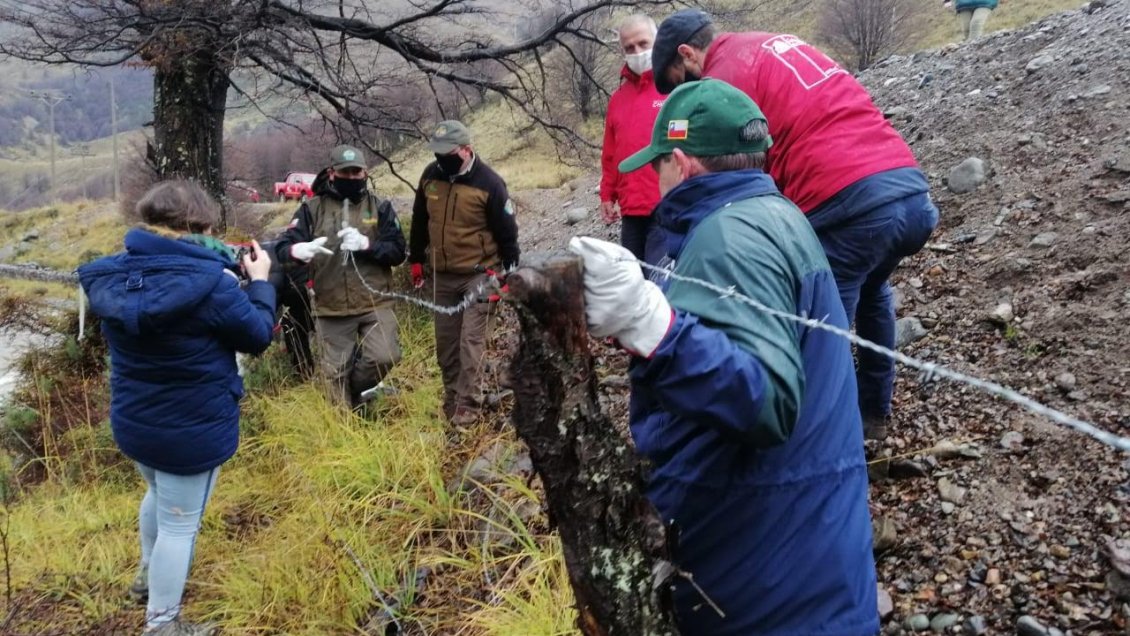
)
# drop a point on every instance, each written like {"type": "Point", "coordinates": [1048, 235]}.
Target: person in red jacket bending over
{"type": "Point", "coordinates": [627, 128]}
{"type": "Point", "coordinates": [835, 156]}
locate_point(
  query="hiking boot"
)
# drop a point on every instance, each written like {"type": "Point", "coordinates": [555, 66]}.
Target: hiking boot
{"type": "Point", "coordinates": [139, 589]}
{"type": "Point", "coordinates": [177, 627]}
{"type": "Point", "coordinates": [875, 426]}
{"type": "Point", "coordinates": [464, 416]}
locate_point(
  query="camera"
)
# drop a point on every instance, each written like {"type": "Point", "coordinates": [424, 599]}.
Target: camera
{"type": "Point", "coordinates": [240, 250]}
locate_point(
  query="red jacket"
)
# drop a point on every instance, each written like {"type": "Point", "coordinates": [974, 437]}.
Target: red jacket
{"type": "Point", "coordinates": [627, 128]}
{"type": "Point", "coordinates": [827, 133]}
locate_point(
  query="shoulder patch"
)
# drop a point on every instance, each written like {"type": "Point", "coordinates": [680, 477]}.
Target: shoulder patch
{"type": "Point", "coordinates": [509, 207]}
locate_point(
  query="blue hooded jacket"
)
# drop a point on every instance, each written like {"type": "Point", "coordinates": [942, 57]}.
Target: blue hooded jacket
{"type": "Point", "coordinates": [752, 422]}
{"type": "Point", "coordinates": [174, 320]}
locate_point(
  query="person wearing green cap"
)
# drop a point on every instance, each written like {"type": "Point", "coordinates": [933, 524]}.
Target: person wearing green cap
{"type": "Point", "coordinates": [462, 225]}
{"type": "Point", "coordinates": [836, 157]}
{"type": "Point", "coordinates": [750, 422]}
{"type": "Point", "coordinates": [349, 239]}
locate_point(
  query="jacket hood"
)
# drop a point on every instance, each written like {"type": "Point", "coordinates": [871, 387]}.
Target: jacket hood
{"type": "Point", "coordinates": [157, 280]}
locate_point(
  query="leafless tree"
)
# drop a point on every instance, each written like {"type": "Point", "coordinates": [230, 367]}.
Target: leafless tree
{"type": "Point", "coordinates": [756, 15]}
{"type": "Point", "coordinates": [353, 60]}
{"type": "Point", "coordinates": [867, 30]}
{"type": "Point", "coordinates": [586, 66]}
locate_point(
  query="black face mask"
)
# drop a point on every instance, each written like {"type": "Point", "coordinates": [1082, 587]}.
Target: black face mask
{"type": "Point", "coordinates": [691, 77]}
{"type": "Point", "coordinates": [450, 164]}
{"type": "Point", "coordinates": [352, 189]}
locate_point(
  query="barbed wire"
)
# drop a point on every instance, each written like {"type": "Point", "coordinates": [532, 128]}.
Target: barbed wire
{"type": "Point", "coordinates": [930, 369]}
{"type": "Point", "coordinates": [470, 299]}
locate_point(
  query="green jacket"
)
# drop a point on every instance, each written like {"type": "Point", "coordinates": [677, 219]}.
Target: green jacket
{"type": "Point", "coordinates": [338, 290]}
{"type": "Point", "coordinates": [970, 5]}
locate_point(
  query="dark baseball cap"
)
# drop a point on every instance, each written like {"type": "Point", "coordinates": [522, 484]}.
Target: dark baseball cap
{"type": "Point", "coordinates": [347, 157]}
{"type": "Point", "coordinates": [677, 29]}
{"type": "Point", "coordinates": [447, 136]}
{"type": "Point", "coordinates": [704, 119]}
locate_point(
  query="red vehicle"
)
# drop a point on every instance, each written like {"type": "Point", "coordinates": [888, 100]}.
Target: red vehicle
{"type": "Point", "coordinates": [296, 186]}
{"type": "Point", "coordinates": [241, 192]}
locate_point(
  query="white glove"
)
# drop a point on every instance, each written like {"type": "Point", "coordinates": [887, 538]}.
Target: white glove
{"type": "Point", "coordinates": [618, 301]}
{"type": "Point", "coordinates": [305, 252]}
{"type": "Point", "coordinates": [353, 240]}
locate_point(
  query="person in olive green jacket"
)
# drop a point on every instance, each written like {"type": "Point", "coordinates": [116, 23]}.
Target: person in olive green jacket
{"type": "Point", "coordinates": [350, 239]}
{"type": "Point", "coordinates": [462, 223]}
{"type": "Point", "coordinates": [973, 15]}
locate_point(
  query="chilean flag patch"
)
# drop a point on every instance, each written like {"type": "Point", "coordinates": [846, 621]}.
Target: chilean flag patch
{"type": "Point", "coordinates": [677, 129]}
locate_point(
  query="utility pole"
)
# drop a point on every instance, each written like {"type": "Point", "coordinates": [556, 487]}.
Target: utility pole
{"type": "Point", "coordinates": [82, 151]}
{"type": "Point", "coordinates": [51, 99]}
{"type": "Point", "coordinates": [114, 138]}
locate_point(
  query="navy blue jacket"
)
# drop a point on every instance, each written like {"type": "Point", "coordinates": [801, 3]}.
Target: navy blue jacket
{"type": "Point", "coordinates": [174, 319]}
{"type": "Point", "coordinates": [752, 422]}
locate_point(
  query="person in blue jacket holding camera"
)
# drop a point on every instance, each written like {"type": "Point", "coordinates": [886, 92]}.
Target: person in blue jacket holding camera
{"type": "Point", "coordinates": [750, 421]}
{"type": "Point", "coordinates": [174, 315]}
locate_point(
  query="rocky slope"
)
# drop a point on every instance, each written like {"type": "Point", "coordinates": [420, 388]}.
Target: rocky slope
{"type": "Point", "coordinates": [998, 521]}
{"type": "Point", "coordinates": [1025, 284]}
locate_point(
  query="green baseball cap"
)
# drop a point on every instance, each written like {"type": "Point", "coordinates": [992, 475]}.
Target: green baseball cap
{"type": "Point", "coordinates": [347, 157]}
{"type": "Point", "coordinates": [447, 136]}
{"type": "Point", "coordinates": [704, 119]}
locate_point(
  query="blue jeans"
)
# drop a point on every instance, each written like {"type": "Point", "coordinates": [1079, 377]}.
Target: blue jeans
{"type": "Point", "coordinates": [644, 238]}
{"type": "Point", "coordinates": [169, 521]}
{"type": "Point", "coordinates": [863, 249]}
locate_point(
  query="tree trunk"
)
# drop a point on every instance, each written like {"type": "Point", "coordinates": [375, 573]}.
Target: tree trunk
{"type": "Point", "coordinates": [614, 542]}
{"type": "Point", "coordinates": [189, 99]}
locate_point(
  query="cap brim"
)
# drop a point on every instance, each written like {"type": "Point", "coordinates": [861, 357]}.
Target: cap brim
{"type": "Point", "coordinates": [639, 160]}
{"type": "Point", "coordinates": [349, 164]}
{"type": "Point", "coordinates": [442, 147]}
{"type": "Point", "coordinates": [662, 84]}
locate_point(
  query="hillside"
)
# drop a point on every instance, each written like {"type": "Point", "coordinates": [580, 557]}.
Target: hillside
{"type": "Point", "coordinates": [1045, 108]}
{"type": "Point", "coordinates": [24, 156]}
{"type": "Point", "coordinates": [318, 513]}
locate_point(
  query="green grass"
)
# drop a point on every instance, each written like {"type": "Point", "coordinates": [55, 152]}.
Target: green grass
{"type": "Point", "coordinates": [942, 24]}
{"type": "Point", "coordinates": [502, 135]}
{"type": "Point", "coordinates": [939, 24]}
{"type": "Point", "coordinates": [316, 508]}
{"type": "Point", "coordinates": [69, 234]}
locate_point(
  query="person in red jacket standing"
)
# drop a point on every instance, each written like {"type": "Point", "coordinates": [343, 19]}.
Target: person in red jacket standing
{"type": "Point", "coordinates": [627, 128]}
{"type": "Point", "coordinates": [835, 156]}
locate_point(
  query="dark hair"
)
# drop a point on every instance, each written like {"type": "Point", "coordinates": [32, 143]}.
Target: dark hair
{"type": "Point", "coordinates": [702, 38]}
{"type": "Point", "coordinates": [179, 205]}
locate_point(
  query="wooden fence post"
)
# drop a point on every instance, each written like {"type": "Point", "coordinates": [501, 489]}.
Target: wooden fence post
{"type": "Point", "coordinates": [615, 545]}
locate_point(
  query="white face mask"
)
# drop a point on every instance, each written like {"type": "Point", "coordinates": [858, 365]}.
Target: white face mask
{"type": "Point", "coordinates": [639, 62]}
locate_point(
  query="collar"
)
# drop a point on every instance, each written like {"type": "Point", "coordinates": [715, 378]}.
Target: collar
{"type": "Point", "coordinates": [693, 200]}
{"type": "Point", "coordinates": [470, 164]}
{"type": "Point", "coordinates": [149, 240]}
{"type": "Point", "coordinates": [647, 77]}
